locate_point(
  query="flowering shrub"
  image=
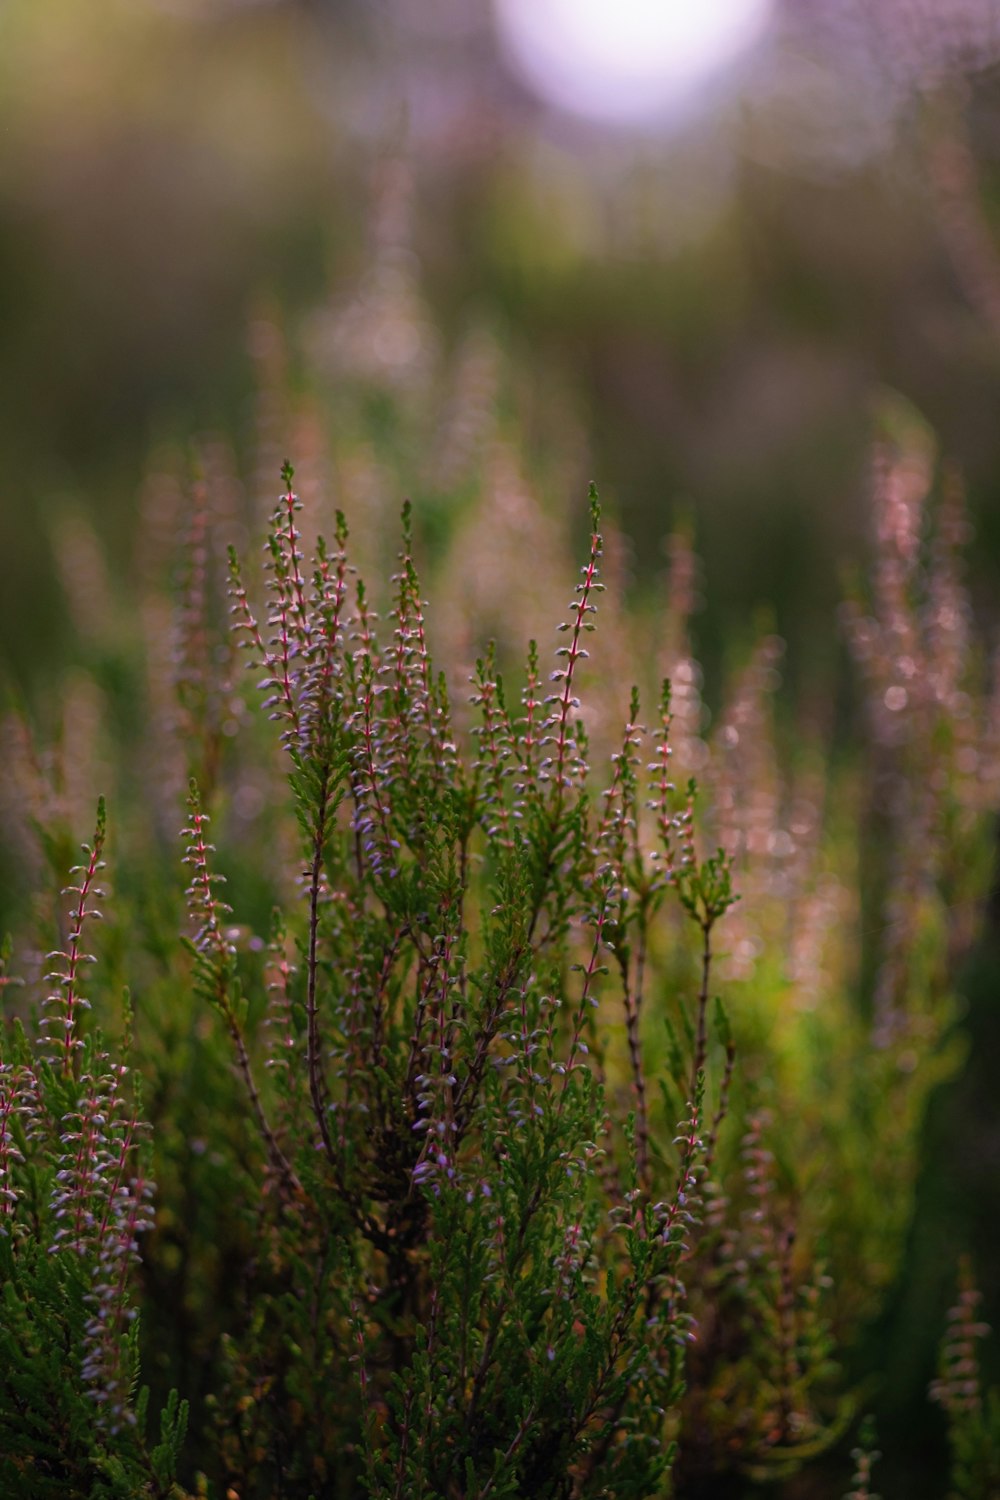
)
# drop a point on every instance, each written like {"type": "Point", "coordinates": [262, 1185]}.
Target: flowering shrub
{"type": "Point", "coordinates": [527, 1149]}
{"type": "Point", "coordinates": [501, 1308]}
{"type": "Point", "coordinates": [74, 1199]}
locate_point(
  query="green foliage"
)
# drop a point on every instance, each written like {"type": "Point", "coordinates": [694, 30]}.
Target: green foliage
{"type": "Point", "coordinates": [74, 1197]}
{"type": "Point", "coordinates": [470, 1183]}
{"type": "Point", "coordinates": [498, 1311]}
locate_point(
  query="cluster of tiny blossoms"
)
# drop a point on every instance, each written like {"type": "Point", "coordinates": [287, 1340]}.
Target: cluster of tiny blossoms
{"type": "Point", "coordinates": [79, 1123]}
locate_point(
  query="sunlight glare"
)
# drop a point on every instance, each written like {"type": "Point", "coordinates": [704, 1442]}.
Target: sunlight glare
{"type": "Point", "coordinates": [630, 61]}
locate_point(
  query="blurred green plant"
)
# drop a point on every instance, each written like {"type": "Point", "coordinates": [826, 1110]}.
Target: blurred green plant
{"type": "Point", "coordinates": [973, 1414]}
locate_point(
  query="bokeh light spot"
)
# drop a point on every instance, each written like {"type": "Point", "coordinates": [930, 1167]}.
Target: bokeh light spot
{"type": "Point", "coordinates": [631, 61]}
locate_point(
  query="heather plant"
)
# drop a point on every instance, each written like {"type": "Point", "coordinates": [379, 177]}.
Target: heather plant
{"type": "Point", "coordinates": [468, 1181]}
{"type": "Point", "coordinates": [763, 1306]}
{"type": "Point", "coordinates": [500, 1286]}
{"type": "Point", "coordinates": [865, 1457]}
{"type": "Point", "coordinates": [973, 1414]}
{"type": "Point", "coordinates": [74, 1198]}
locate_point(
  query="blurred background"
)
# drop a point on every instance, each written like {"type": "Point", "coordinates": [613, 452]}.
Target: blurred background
{"type": "Point", "coordinates": [712, 232]}
{"type": "Point", "coordinates": [703, 240]}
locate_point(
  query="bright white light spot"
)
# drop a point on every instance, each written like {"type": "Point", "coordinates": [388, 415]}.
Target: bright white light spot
{"type": "Point", "coordinates": [629, 61]}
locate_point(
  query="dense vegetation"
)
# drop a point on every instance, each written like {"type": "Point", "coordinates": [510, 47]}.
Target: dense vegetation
{"type": "Point", "coordinates": [532, 1103]}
